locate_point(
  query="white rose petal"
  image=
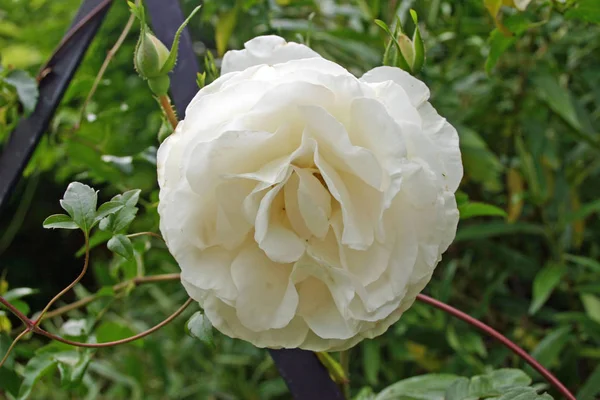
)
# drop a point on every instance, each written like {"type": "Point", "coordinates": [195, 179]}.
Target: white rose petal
{"type": "Point", "coordinates": [306, 207]}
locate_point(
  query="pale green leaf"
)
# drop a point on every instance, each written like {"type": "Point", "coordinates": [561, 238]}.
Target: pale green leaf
{"type": "Point", "coordinates": [79, 201]}
{"type": "Point", "coordinates": [121, 245]}
{"type": "Point", "coordinates": [36, 368]}
{"type": "Point", "coordinates": [199, 327]}
{"type": "Point", "coordinates": [59, 221]}
{"type": "Point", "coordinates": [26, 88]}
{"type": "Point", "coordinates": [424, 387]}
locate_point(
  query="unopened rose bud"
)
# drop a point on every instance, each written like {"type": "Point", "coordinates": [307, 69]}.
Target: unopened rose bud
{"type": "Point", "coordinates": [150, 56]}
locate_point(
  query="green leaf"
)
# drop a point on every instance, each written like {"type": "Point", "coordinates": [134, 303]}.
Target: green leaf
{"type": "Point", "coordinates": [26, 88]}
{"type": "Point", "coordinates": [371, 355]}
{"type": "Point", "coordinates": [424, 387]}
{"type": "Point", "coordinates": [10, 381]}
{"type": "Point", "coordinates": [74, 327]}
{"type": "Point", "coordinates": [591, 387]}
{"type": "Point", "coordinates": [585, 211]}
{"type": "Point", "coordinates": [474, 209]}
{"type": "Point", "coordinates": [506, 377]}
{"type": "Point", "coordinates": [586, 10]}
{"type": "Point", "coordinates": [560, 100]}
{"type": "Point", "coordinates": [591, 304]}
{"type": "Point", "coordinates": [72, 366]}
{"type": "Point", "coordinates": [224, 28]}
{"type": "Point", "coordinates": [170, 62]}
{"type": "Point", "coordinates": [548, 350]}
{"type": "Point", "coordinates": [59, 221]}
{"type": "Point", "coordinates": [121, 245]}
{"type": "Point", "coordinates": [36, 368]}
{"type": "Point", "coordinates": [199, 327]}
{"type": "Point", "coordinates": [121, 219]}
{"type": "Point", "coordinates": [419, 46]}
{"type": "Point", "coordinates": [109, 331]}
{"type": "Point", "coordinates": [18, 293]}
{"type": "Point", "coordinates": [523, 393]}
{"type": "Point", "coordinates": [482, 386]}
{"type": "Point", "coordinates": [544, 283]}
{"type": "Point", "coordinates": [493, 229]}
{"type": "Point", "coordinates": [21, 306]}
{"type": "Point", "coordinates": [584, 261]}
{"type": "Point", "coordinates": [498, 43]}
{"type": "Point", "coordinates": [481, 164]}
{"type": "Point", "coordinates": [459, 390]}
{"type": "Point", "coordinates": [80, 202]}
{"type": "Point", "coordinates": [110, 207]}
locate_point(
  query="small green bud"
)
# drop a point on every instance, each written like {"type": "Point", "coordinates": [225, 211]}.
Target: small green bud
{"type": "Point", "coordinates": [159, 85]}
{"type": "Point", "coordinates": [150, 56]}
{"type": "Point", "coordinates": [402, 51]}
{"type": "Point", "coordinates": [406, 47]}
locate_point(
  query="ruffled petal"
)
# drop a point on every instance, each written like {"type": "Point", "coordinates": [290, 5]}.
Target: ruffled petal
{"type": "Point", "coordinates": [269, 49]}
{"type": "Point", "coordinates": [267, 297]}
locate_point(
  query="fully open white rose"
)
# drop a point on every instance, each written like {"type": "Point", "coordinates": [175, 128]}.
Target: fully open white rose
{"type": "Point", "coordinates": [307, 208]}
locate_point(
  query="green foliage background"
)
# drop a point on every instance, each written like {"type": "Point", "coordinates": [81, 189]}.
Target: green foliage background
{"type": "Point", "coordinates": [527, 108]}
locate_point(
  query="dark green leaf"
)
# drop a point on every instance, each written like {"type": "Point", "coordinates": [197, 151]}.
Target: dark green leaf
{"type": "Point", "coordinates": [109, 331]}
{"type": "Point", "coordinates": [586, 10]}
{"type": "Point", "coordinates": [499, 43]}
{"type": "Point", "coordinates": [591, 388]}
{"type": "Point", "coordinates": [9, 380]}
{"type": "Point", "coordinates": [493, 229]}
{"type": "Point", "coordinates": [59, 221]}
{"type": "Point", "coordinates": [544, 283]}
{"type": "Point", "coordinates": [36, 368]}
{"type": "Point", "coordinates": [548, 350]}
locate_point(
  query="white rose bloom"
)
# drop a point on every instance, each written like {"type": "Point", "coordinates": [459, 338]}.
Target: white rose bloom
{"type": "Point", "coordinates": [307, 208]}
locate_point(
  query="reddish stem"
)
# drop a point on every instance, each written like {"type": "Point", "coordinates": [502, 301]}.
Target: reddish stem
{"type": "Point", "coordinates": [502, 339]}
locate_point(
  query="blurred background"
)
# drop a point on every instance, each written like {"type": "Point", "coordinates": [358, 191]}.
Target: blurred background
{"type": "Point", "coordinates": [524, 94]}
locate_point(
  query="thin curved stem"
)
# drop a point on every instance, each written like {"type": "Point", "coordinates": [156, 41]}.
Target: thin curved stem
{"type": "Point", "coordinates": [120, 286]}
{"type": "Point", "coordinates": [71, 285]}
{"type": "Point", "coordinates": [15, 311]}
{"type": "Point", "coordinates": [502, 339]}
{"type": "Point", "coordinates": [156, 235]}
{"type": "Point", "coordinates": [49, 335]}
{"type": "Point", "coordinates": [165, 103]}
{"type": "Point", "coordinates": [12, 346]}
{"type": "Point", "coordinates": [109, 56]}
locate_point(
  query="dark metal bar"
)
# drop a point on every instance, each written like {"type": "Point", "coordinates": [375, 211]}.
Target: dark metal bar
{"type": "Point", "coordinates": [166, 18]}
{"type": "Point", "coordinates": [57, 75]}
{"type": "Point", "coordinates": [305, 376]}
{"type": "Point", "coordinates": [302, 371]}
